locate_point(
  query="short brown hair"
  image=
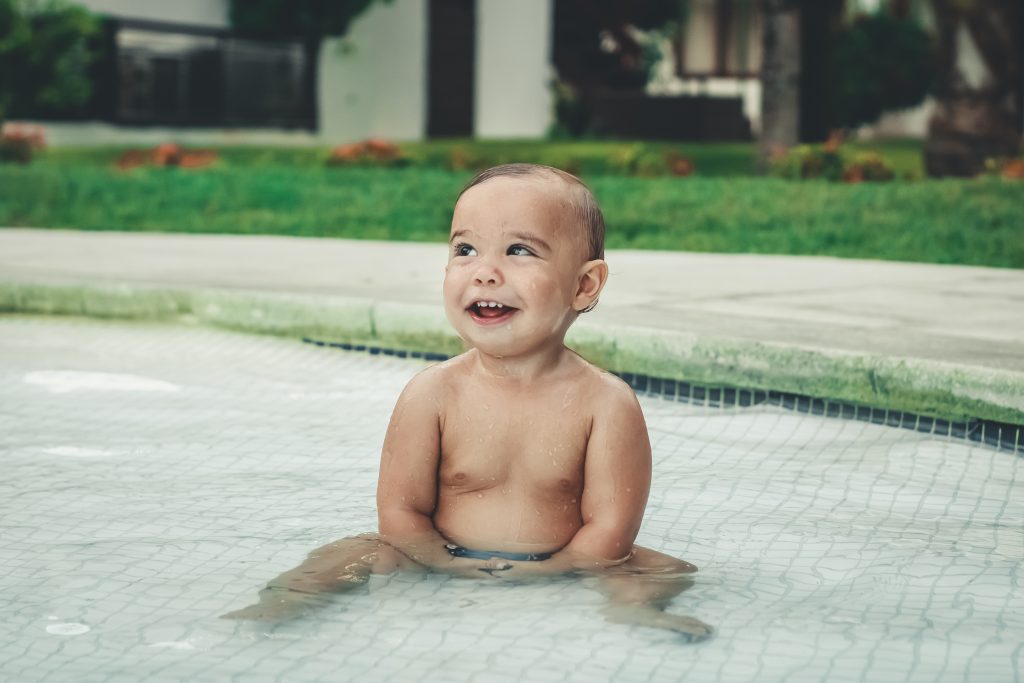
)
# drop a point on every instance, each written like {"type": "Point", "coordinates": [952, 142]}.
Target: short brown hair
{"type": "Point", "coordinates": [581, 199]}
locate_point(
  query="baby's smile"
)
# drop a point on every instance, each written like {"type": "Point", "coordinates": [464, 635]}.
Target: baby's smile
{"type": "Point", "coordinates": [487, 312]}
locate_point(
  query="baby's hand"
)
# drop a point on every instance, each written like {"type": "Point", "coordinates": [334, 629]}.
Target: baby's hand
{"type": "Point", "coordinates": [495, 565]}
{"type": "Point", "coordinates": [476, 569]}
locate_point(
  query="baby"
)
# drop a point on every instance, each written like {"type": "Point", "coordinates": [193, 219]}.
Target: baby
{"type": "Point", "coordinates": [517, 458]}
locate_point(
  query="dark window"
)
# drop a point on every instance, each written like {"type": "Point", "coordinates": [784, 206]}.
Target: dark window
{"type": "Point", "coordinates": [184, 76]}
{"type": "Point", "coordinates": [451, 58]}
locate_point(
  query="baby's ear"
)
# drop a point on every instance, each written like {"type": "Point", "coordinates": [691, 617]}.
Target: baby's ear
{"type": "Point", "coordinates": [592, 276]}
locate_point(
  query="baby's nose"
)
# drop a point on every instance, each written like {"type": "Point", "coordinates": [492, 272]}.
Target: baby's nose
{"type": "Point", "coordinates": [487, 275]}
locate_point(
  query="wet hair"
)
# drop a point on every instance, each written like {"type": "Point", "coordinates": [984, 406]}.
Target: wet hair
{"type": "Point", "coordinates": [581, 199]}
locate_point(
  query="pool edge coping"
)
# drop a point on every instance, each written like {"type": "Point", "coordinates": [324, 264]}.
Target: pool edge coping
{"type": "Point", "coordinates": [946, 390]}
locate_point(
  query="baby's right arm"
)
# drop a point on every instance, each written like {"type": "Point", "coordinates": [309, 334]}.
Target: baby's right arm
{"type": "Point", "coordinates": [407, 487]}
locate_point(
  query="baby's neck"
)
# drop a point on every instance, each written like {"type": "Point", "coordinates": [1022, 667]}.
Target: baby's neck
{"type": "Point", "coordinates": [522, 369]}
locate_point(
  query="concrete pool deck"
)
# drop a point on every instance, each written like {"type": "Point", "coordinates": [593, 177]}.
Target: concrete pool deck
{"type": "Point", "coordinates": [941, 340]}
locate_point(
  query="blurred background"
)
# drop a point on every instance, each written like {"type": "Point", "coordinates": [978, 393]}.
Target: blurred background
{"type": "Point", "coordinates": [769, 126]}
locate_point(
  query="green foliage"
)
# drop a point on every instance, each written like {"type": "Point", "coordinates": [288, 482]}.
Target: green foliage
{"type": "Point", "coordinates": [830, 162]}
{"type": "Point", "coordinates": [880, 63]}
{"type": "Point", "coordinates": [806, 162]}
{"type": "Point", "coordinates": [291, 192]}
{"type": "Point", "coordinates": [44, 56]}
{"type": "Point", "coordinates": [15, 151]}
{"type": "Point", "coordinates": [588, 158]}
{"type": "Point", "coordinates": [869, 167]}
{"type": "Point", "coordinates": [295, 18]}
{"type": "Point", "coordinates": [572, 115]}
{"type": "Point", "coordinates": [591, 157]}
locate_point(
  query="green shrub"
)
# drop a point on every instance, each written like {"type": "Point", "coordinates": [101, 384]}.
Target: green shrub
{"type": "Point", "coordinates": [868, 167]}
{"type": "Point", "coordinates": [828, 162]}
{"type": "Point", "coordinates": [19, 142]}
{"type": "Point", "coordinates": [15, 151]}
{"type": "Point", "coordinates": [809, 162]}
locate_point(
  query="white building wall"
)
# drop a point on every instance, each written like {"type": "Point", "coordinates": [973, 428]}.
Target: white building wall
{"type": "Point", "coordinates": [373, 82]}
{"type": "Point", "coordinates": [512, 88]}
{"type": "Point", "coordinates": [699, 42]}
{"type": "Point", "coordinates": [212, 13]}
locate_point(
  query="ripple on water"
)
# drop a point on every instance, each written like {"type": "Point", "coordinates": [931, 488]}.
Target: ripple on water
{"type": "Point", "coordinates": [78, 452]}
{"type": "Point", "coordinates": [64, 381]}
{"type": "Point", "coordinates": [67, 629]}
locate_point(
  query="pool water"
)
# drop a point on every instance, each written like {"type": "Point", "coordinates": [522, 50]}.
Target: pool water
{"type": "Point", "coordinates": [156, 477]}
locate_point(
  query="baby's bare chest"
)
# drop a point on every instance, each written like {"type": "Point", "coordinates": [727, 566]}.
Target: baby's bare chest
{"type": "Point", "coordinates": [487, 442]}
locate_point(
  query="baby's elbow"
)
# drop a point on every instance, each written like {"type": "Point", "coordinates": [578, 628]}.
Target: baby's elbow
{"type": "Point", "coordinates": [391, 521]}
{"type": "Point", "coordinates": [604, 548]}
{"type": "Point", "coordinates": [399, 522]}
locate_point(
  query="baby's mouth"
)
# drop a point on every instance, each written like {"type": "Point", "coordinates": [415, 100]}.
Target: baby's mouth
{"type": "Point", "coordinates": [490, 311]}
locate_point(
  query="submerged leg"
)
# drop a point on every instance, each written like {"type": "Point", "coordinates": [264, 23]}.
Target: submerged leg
{"type": "Point", "coordinates": [639, 590]}
{"type": "Point", "coordinates": [337, 567]}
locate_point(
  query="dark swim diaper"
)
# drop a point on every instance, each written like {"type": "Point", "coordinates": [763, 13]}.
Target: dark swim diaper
{"type": "Point", "coordinates": [459, 551]}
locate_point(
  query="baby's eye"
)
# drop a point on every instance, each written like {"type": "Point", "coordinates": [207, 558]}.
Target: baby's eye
{"type": "Point", "coordinates": [519, 250]}
{"type": "Point", "coordinates": [464, 250]}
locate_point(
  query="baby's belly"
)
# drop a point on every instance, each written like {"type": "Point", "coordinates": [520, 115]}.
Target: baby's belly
{"type": "Point", "coordinates": [493, 520]}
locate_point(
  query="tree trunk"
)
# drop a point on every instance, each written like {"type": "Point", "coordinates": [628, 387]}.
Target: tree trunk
{"type": "Point", "coordinates": [818, 23]}
{"type": "Point", "coordinates": [311, 48]}
{"type": "Point", "coordinates": [975, 122]}
{"type": "Point", "coordinates": [780, 77]}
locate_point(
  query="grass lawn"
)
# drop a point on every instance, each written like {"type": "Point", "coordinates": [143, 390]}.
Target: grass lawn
{"type": "Point", "coordinates": [290, 192]}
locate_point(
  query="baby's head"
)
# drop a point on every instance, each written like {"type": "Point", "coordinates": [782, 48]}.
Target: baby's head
{"type": "Point", "coordinates": [526, 257]}
{"type": "Point", "coordinates": [578, 199]}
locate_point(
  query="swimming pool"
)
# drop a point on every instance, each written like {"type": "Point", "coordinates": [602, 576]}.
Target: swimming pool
{"type": "Point", "coordinates": [157, 476]}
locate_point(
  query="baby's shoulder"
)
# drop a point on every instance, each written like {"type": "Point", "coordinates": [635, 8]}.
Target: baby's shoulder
{"type": "Point", "coordinates": [606, 389]}
{"type": "Point", "coordinates": [435, 379]}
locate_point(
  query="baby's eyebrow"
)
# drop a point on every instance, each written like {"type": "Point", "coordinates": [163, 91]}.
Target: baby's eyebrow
{"type": "Point", "coordinates": [527, 237]}
{"type": "Point", "coordinates": [457, 234]}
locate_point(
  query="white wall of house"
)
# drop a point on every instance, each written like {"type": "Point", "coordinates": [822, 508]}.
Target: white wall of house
{"type": "Point", "coordinates": [512, 90]}
{"type": "Point", "coordinates": [213, 13]}
{"type": "Point", "coordinates": [373, 82]}
{"type": "Point", "coordinates": [699, 45]}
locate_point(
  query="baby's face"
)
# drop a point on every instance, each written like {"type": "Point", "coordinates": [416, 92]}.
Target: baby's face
{"type": "Point", "coordinates": [515, 243]}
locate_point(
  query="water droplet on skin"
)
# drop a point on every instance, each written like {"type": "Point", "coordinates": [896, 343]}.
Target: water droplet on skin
{"type": "Point", "coordinates": [479, 495]}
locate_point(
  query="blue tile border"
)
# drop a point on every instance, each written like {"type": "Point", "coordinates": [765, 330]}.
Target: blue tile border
{"type": "Point", "coordinates": [1002, 436]}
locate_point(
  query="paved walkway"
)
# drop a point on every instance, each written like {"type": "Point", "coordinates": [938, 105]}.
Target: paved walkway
{"type": "Point", "coordinates": [962, 315]}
